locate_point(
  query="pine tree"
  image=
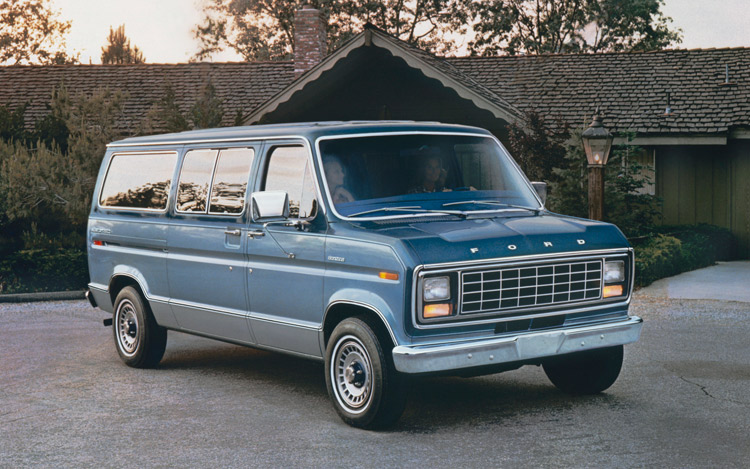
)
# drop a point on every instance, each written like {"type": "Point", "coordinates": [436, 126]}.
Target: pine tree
{"type": "Point", "coordinates": [119, 50]}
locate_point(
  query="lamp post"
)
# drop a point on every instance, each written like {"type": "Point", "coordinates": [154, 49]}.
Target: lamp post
{"type": "Point", "coordinates": [597, 141]}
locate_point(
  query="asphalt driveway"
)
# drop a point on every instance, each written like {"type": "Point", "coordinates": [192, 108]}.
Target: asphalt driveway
{"type": "Point", "coordinates": [682, 400]}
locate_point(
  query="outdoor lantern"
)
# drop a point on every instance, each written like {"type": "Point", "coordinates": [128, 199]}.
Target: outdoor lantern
{"type": "Point", "coordinates": [597, 141]}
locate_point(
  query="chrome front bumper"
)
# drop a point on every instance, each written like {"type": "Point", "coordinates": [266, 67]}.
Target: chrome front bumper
{"type": "Point", "coordinates": [520, 347]}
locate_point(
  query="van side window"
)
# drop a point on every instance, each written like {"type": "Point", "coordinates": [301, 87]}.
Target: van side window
{"type": "Point", "coordinates": [195, 177]}
{"type": "Point", "coordinates": [230, 180]}
{"type": "Point", "coordinates": [289, 170]}
{"type": "Point", "coordinates": [138, 180]}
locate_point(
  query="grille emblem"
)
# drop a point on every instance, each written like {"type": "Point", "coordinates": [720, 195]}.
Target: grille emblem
{"type": "Point", "coordinates": [512, 247]}
{"type": "Point", "coordinates": [547, 244]}
{"type": "Point", "coordinates": [581, 241]}
{"type": "Point", "coordinates": [474, 250]}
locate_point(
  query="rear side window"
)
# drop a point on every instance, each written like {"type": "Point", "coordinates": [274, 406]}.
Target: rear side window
{"type": "Point", "coordinates": [225, 172]}
{"type": "Point", "coordinates": [289, 170]}
{"type": "Point", "coordinates": [138, 180]}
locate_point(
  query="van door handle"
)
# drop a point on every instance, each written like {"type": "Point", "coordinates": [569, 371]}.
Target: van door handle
{"type": "Point", "coordinates": [253, 234]}
{"type": "Point", "coordinates": [233, 232]}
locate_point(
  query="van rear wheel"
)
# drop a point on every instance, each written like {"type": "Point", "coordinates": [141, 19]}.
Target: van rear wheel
{"type": "Point", "coordinates": [140, 341]}
{"type": "Point", "coordinates": [362, 382]}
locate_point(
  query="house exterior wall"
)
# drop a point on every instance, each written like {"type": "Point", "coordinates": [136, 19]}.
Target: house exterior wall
{"type": "Point", "coordinates": [739, 155]}
{"type": "Point", "coordinates": [707, 184]}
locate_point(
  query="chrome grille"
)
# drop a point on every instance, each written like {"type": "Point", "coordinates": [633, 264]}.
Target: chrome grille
{"type": "Point", "coordinates": [530, 285]}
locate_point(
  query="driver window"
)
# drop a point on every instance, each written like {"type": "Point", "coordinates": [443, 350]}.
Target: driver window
{"type": "Point", "coordinates": [289, 170]}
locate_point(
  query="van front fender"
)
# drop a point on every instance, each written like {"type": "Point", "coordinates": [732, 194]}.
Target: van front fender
{"type": "Point", "coordinates": [366, 300]}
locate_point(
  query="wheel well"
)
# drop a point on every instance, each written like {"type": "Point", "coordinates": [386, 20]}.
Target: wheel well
{"type": "Point", "coordinates": [341, 311]}
{"type": "Point", "coordinates": [120, 282]}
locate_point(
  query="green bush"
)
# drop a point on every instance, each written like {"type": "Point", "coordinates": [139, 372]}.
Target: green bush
{"type": "Point", "coordinates": [35, 270]}
{"type": "Point", "coordinates": [45, 263]}
{"type": "Point", "coordinates": [677, 249]}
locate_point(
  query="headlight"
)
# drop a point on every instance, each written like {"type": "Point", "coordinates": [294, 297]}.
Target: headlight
{"type": "Point", "coordinates": [436, 289]}
{"type": "Point", "coordinates": [614, 279]}
{"type": "Point", "coordinates": [614, 271]}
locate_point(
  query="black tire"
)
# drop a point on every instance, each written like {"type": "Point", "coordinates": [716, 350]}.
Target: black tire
{"type": "Point", "coordinates": [140, 342]}
{"type": "Point", "coordinates": [364, 386]}
{"type": "Point", "coordinates": [588, 372]}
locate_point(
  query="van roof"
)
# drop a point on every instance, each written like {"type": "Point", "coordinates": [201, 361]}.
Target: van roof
{"type": "Point", "coordinates": [310, 130]}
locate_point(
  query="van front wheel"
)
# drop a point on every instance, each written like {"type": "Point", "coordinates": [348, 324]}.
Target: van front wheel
{"type": "Point", "coordinates": [362, 382]}
{"type": "Point", "coordinates": [140, 341]}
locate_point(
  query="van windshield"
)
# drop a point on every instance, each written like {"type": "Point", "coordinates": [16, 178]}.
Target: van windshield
{"type": "Point", "coordinates": [397, 174]}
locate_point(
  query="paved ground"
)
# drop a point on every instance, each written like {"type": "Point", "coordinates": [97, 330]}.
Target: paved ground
{"type": "Point", "coordinates": [683, 400]}
{"type": "Point", "coordinates": [728, 281]}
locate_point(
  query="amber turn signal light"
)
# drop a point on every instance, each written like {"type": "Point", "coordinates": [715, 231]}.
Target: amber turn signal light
{"type": "Point", "coordinates": [437, 310]}
{"type": "Point", "coordinates": [388, 276]}
{"type": "Point", "coordinates": [612, 290]}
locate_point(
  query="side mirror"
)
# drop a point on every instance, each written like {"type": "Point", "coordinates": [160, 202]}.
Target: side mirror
{"type": "Point", "coordinates": [541, 190]}
{"type": "Point", "coordinates": [269, 205]}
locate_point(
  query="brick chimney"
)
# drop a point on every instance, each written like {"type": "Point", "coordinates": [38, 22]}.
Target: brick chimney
{"type": "Point", "coordinates": [309, 39]}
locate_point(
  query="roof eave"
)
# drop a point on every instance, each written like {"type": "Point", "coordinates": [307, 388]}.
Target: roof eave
{"type": "Point", "coordinates": [372, 37]}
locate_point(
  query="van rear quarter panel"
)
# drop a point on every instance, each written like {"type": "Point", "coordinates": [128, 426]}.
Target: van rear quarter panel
{"type": "Point", "coordinates": [133, 244]}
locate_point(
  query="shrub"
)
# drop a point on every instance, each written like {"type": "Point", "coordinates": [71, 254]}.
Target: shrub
{"type": "Point", "coordinates": [34, 270]}
{"type": "Point", "coordinates": [45, 263]}
{"type": "Point", "coordinates": [679, 249]}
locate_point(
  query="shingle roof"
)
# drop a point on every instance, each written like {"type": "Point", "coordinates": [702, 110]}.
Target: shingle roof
{"type": "Point", "coordinates": [631, 88]}
{"type": "Point", "coordinates": [241, 86]}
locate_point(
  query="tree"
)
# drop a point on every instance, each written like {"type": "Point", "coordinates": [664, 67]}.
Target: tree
{"type": "Point", "coordinates": [31, 33]}
{"type": "Point", "coordinates": [633, 212]}
{"type": "Point", "coordinates": [264, 30]}
{"type": "Point", "coordinates": [46, 184]}
{"type": "Point", "coordinates": [165, 115]}
{"type": "Point", "coordinates": [12, 124]}
{"type": "Point", "coordinates": [208, 110]}
{"type": "Point", "coordinates": [538, 148]}
{"type": "Point", "coordinates": [566, 26]}
{"type": "Point", "coordinates": [118, 49]}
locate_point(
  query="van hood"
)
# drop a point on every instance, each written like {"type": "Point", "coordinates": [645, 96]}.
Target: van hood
{"type": "Point", "coordinates": [472, 239]}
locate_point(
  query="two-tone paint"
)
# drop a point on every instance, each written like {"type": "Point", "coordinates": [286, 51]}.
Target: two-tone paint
{"type": "Point", "coordinates": [283, 288]}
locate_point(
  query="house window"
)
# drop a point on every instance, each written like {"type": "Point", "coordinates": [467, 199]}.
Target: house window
{"type": "Point", "coordinates": [646, 159]}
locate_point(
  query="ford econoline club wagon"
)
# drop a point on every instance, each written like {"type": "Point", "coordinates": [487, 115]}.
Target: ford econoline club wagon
{"type": "Point", "coordinates": [387, 250]}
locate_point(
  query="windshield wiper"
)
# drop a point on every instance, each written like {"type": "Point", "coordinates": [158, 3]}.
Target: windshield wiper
{"type": "Point", "coordinates": [457, 213]}
{"type": "Point", "coordinates": [495, 203]}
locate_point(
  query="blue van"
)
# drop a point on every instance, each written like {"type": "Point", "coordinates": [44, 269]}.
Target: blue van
{"type": "Point", "coordinates": [388, 250]}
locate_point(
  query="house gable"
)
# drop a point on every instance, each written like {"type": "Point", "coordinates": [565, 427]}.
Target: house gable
{"type": "Point", "coordinates": [377, 76]}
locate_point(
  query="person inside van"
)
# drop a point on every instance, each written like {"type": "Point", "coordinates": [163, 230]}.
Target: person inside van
{"type": "Point", "coordinates": [431, 176]}
{"type": "Point", "coordinates": [336, 175]}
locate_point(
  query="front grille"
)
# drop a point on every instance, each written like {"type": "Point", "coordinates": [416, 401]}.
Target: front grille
{"type": "Point", "coordinates": [525, 286]}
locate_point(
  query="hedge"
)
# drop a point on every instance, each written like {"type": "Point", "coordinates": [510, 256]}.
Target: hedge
{"type": "Point", "coordinates": [38, 270]}
{"type": "Point", "coordinates": [677, 249]}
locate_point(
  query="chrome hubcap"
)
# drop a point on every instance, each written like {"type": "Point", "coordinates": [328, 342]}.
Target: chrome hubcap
{"type": "Point", "coordinates": [127, 327]}
{"type": "Point", "coordinates": [352, 373]}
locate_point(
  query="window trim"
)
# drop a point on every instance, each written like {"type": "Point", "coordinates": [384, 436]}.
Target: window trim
{"type": "Point", "coordinates": [137, 209]}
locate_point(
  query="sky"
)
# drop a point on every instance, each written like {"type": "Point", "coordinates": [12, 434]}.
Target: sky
{"type": "Point", "coordinates": [163, 29]}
